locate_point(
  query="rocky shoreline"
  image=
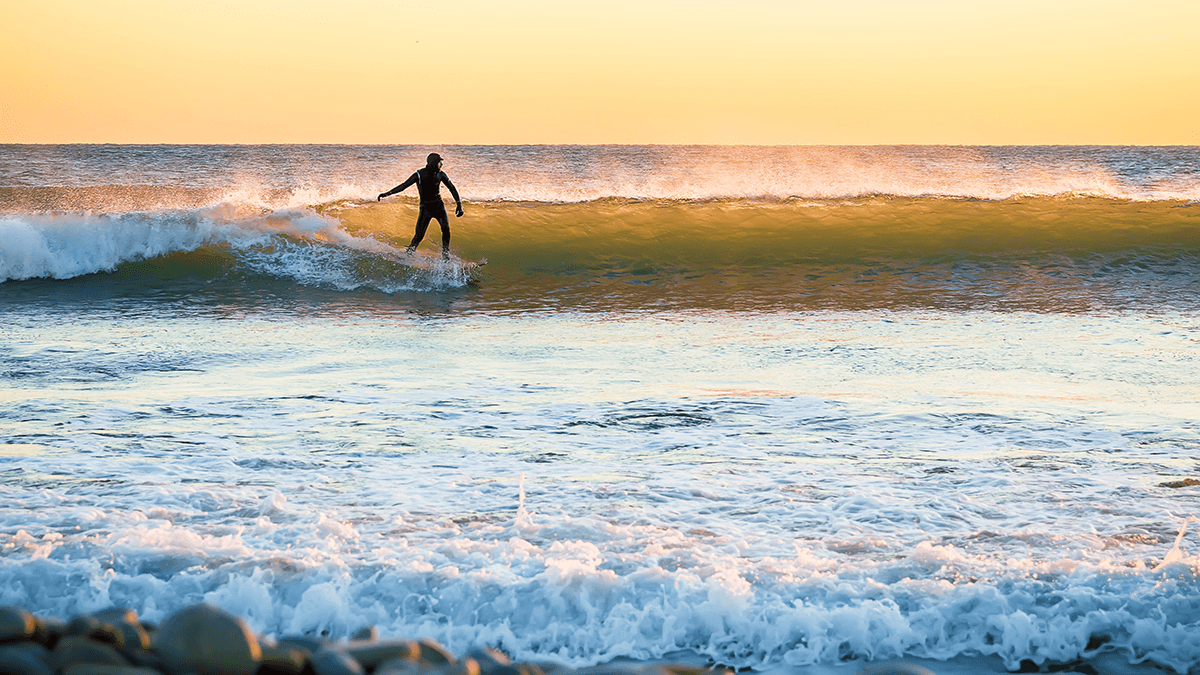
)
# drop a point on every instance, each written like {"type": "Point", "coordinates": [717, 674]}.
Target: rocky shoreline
{"type": "Point", "coordinates": [204, 640]}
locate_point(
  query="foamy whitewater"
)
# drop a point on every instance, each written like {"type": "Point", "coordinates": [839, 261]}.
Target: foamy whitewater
{"type": "Point", "coordinates": [795, 409]}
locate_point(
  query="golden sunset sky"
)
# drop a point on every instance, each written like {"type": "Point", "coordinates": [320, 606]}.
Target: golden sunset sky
{"type": "Point", "coordinates": [650, 71]}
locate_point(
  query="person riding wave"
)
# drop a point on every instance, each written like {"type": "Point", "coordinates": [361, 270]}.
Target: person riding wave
{"type": "Point", "coordinates": [428, 181]}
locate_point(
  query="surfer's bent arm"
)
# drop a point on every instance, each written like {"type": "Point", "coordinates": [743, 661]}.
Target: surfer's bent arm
{"type": "Point", "coordinates": [400, 188]}
{"type": "Point", "coordinates": [453, 191]}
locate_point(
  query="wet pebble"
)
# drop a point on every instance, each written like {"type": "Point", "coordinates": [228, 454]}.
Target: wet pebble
{"type": "Point", "coordinates": [335, 662]}
{"type": "Point", "coordinates": [26, 658]}
{"type": "Point", "coordinates": [310, 645]}
{"type": "Point", "coordinates": [432, 652]}
{"type": "Point", "coordinates": [48, 631]}
{"type": "Point", "coordinates": [16, 624]}
{"type": "Point", "coordinates": [283, 661]}
{"type": "Point", "coordinates": [134, 636]}
{"type": "Point", "coordinates": [494, 662]}
{"type": "Point", "coordinates": [92, 628]}
{"type": "Point", "coordinates": [372, 654]}
{"type": "Point", "coordinates": [204, 640]}
{"type": "Point", "coordinates": [73, 650]}
{"type": "Point", "coordinates": [398, 667]}
{"type": "Point", "coordinates": [116, 615]}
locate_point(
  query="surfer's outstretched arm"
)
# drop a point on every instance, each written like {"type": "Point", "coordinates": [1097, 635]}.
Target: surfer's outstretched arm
{"type": "Point", "coordinates": [457, 202]}
{"type": "Point", "coordinates": [399, 188]}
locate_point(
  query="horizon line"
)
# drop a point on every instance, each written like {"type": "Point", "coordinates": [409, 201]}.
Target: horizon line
{"type": "Point", "coordinates": [681, 145]}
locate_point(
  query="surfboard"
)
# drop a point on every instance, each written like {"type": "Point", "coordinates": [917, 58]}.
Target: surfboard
{"type": "Point", "coordinates": [471, 269]}
{"type": "Point", "coordinates": [467, 270]}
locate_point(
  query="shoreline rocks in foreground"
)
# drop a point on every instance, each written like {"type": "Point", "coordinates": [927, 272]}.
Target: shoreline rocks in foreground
{"type": "Point", "coordinates": [204, 640]}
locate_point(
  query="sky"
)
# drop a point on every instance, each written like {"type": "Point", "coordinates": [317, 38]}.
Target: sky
{"type": "Point", "coordinates": [649, 71]}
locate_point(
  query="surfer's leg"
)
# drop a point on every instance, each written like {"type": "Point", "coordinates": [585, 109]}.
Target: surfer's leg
{"type": "Point", "coordinates": [444, 221]}
{"type": "Point", "coordinates": [423, 219]}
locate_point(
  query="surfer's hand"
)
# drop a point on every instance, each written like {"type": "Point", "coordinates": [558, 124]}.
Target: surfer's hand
{"type": "Point", "coordinates": [458, 210]}
{"type": "Point", "coordinates": [381, 196]}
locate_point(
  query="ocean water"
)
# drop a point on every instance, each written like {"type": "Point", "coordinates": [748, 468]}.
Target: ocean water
{"type": "Point", "coordinates": [793, 409]}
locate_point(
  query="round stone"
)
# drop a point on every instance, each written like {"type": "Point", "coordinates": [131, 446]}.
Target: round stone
{"type": "Point", "coordinates": [134, 636]}
{"type": "Point", "coordinates": [283, 661]}
{"type": "Point", "coordinates": [372, 654]}
{"type": "Point", "coordinates": [48, 631]}
{"type": "Point", "coordinates": [398, 667]}
{"type": "Point", "coordinates": [489, 655]}
{"type": "Point", "coordinates": [16, 624]}
{"type": "Point", "coordinates": [25, 659]}
{"type": "Point", "coordinates": [75, 649]}
{"type": "Point", "coordinates": [92, 628]}
{"type": "Point", "coordinates": [433, 653]}
{"type": "Point", "coordinates": [83, 625]}
{"type": "Point", "coordinates": [311, 645]}
{"type": "Point", "coordinates": [335, 662]}
{"type": "Point", "coordinates": [115, 615]}
{"type": "Point", "coordinates": [204, 640]}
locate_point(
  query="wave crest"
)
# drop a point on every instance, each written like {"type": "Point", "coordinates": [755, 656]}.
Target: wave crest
{"type": "Point", "coordinates": [300, 245]}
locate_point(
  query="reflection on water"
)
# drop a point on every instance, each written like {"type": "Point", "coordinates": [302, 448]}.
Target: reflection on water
{"type": "Point", "coordinates": [1100, 284]}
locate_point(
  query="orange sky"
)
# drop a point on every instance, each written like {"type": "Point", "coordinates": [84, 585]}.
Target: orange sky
{"type": "Point", "coordinates": [652, 71]}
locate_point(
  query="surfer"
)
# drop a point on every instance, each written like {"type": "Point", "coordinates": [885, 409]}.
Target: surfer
{"type": "Point", "coordinates": [428, 181]}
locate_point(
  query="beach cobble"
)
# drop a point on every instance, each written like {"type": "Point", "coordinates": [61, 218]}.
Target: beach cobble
{"type": "Point", "coordinates": [204, 640]}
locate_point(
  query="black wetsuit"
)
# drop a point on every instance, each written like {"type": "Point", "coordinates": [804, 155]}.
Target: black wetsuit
{"type": "Point", "coordinates": [432, 206]}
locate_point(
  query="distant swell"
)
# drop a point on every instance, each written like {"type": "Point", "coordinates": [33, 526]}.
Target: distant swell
{"type": "Point", "coordinates": [158, 177]}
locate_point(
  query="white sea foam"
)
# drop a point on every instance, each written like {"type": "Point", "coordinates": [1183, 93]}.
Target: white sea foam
{"type": "Point", "coordinates": [586, 590]}
{"type": "Point", "coordinates": [64, 246]}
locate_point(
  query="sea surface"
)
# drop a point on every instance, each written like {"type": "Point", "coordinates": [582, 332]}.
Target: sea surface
{"type": "Point", "coordinates": [794, 409]}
